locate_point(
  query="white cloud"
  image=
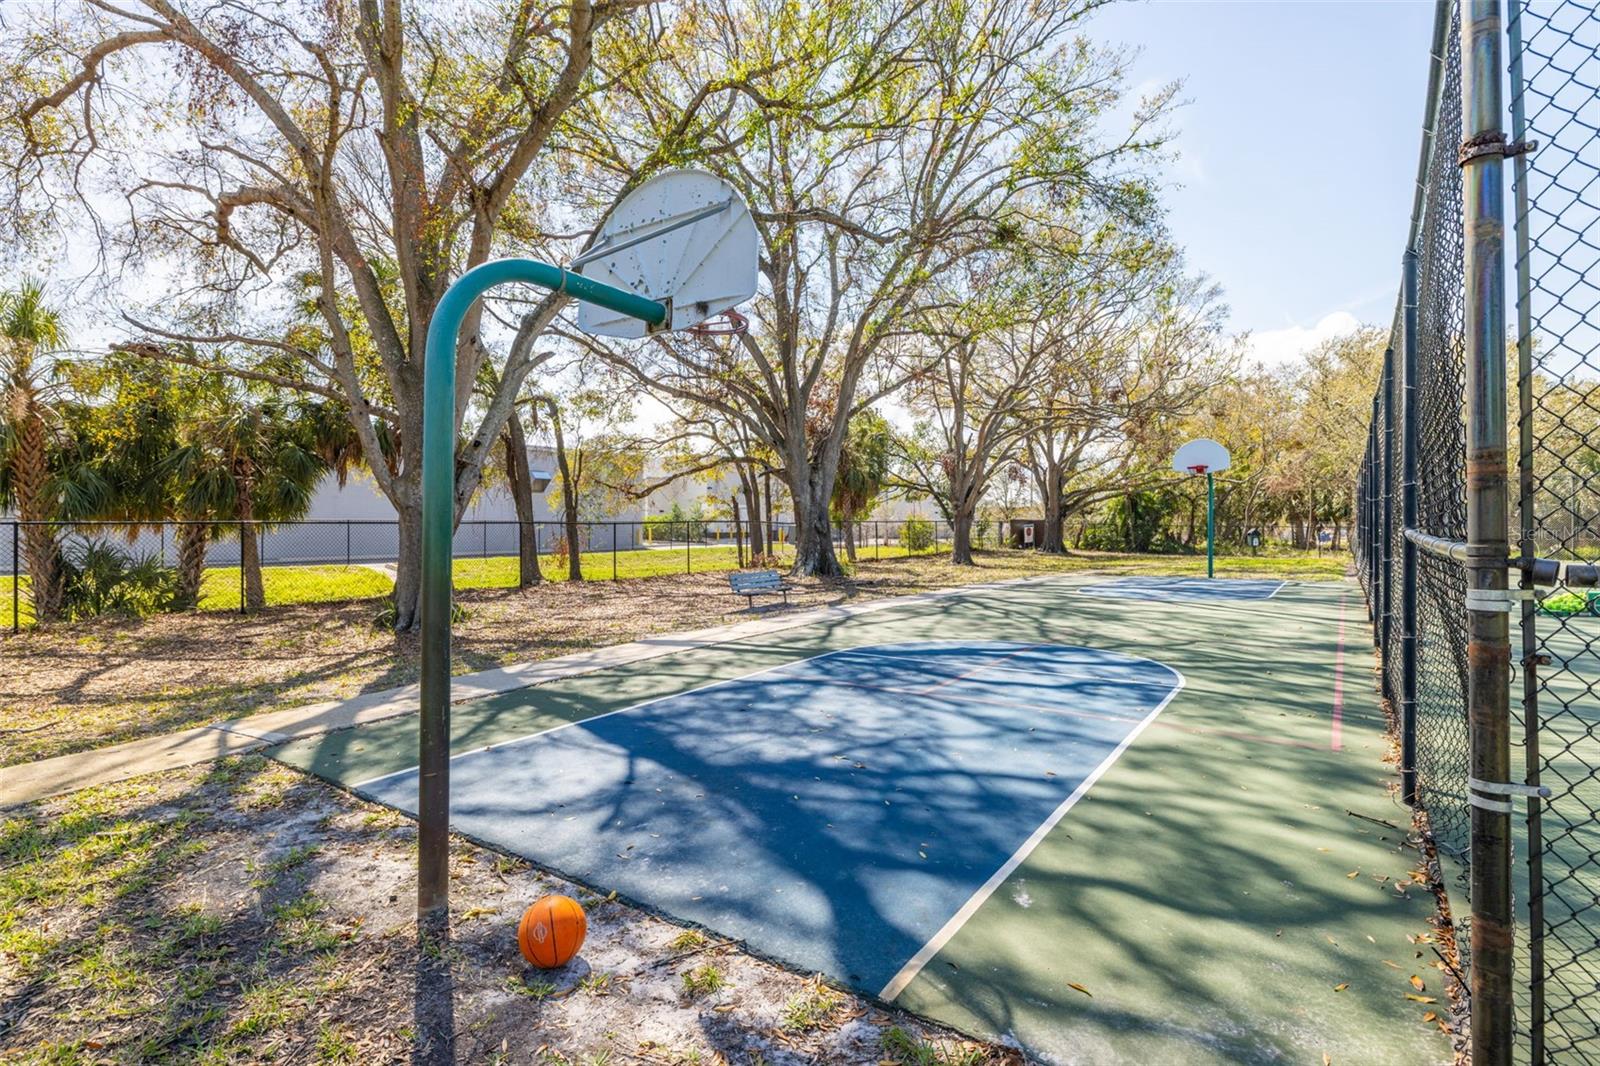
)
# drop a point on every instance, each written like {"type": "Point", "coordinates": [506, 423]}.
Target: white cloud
{"type": "Point", "coordinates": [1275, 347]}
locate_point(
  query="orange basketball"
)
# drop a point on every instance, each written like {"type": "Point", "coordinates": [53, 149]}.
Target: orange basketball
{"type": "Point", "coordinates": [552, 931]}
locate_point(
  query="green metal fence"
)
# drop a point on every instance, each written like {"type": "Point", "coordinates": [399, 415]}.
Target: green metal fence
{"type": "Point", "coordinates": [1508, 788]}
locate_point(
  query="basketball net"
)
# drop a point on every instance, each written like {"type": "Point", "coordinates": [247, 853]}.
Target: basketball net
{"type": "Point", "coordinates": [724, 324]}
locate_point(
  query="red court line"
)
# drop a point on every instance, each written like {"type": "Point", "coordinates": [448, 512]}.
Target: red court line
{"type": "Point", "coordinates": [1335, 741]}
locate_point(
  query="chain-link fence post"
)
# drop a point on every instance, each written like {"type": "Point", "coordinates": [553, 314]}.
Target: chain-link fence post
{"type": "Point", "coordinates": [1386, 521]}
{"type": "Point", "coordinates": [16, 577]}
{"type": "Point", "coordinates": [1488, 605]}
{"type": "Point", "coordinates": [1408, 519]}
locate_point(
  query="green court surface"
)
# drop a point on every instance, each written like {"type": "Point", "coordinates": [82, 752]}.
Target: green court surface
{"type": "Point", "coordinates": [1218, 893]}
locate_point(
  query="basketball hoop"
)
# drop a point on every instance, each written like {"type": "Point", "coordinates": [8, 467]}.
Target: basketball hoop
{"type": "Point", "coordinates": [1204, 456]}
{"type": "Point", "coordinates": [722, 324]}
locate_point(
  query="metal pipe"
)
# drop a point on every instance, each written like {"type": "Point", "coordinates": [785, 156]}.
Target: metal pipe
{"type": "Point", "coordinates": [1386, 528]}
{"type": "Point", "coordinates": [1408, 519]}
{"type": "Point", "coordinates": [1525, 493]}
{"type": "Point", "coordinates": [438, 523]}
{"type": "Point", "coordinates": [1488, 630]}
{"type": "Point", "coordinates": [1211, 526]}
{"type": "Point", "coordinates": [1374, 476]}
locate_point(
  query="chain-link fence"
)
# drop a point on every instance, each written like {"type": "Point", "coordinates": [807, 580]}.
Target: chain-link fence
{"type": "Point", "coordinates": [1555, 84]}
{"type": "Point", "coordinates": [1432, 575]}
{"type": "Point", "coordinates": [99, 568]}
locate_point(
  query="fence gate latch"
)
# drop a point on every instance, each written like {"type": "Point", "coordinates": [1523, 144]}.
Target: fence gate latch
{"type": "Point", "coordinates": [1501, 788]}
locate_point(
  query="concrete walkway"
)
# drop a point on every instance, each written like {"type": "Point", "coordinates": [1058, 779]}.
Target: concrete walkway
{"type": "Point", "coordinates": [66, 773]}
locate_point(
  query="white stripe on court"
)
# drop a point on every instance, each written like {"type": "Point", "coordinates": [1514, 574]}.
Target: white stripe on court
{"type": "Point", "coordinates": [1113, 590]}
{"type": "Point", "coordinates": [914, 966]}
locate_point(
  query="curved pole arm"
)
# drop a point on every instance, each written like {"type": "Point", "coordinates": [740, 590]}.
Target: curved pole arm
{"type": "Point", "coordinates": [438, 529]}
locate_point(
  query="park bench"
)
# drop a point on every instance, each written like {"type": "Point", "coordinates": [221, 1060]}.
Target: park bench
{"type": "Point", "coordinates": [753, 583]}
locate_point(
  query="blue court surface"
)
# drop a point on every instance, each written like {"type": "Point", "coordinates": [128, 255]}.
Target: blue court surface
{"type": "Point", "coordinates": [1184, 589]}
{"type": "Point", "coordinates": [843, 813]}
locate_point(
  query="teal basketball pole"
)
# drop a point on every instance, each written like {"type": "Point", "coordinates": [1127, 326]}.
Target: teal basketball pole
{"type": "Point", "coordinates": [438, 529]}
{"type": "Point", "coordinates": [1211, 526]}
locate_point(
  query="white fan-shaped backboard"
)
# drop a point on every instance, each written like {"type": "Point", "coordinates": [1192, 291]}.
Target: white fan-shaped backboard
{"type": "Point", "coordinates": [1201, 456]}
{"type": "Point", "coordinates": [684, 236]}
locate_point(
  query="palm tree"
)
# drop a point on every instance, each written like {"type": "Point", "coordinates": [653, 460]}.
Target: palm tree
{"type": "Point", "coordinates": [253, 462]}
{"type": "Point", "coordinates": [863, 468]}
{"type": "Point", "coordinates": [30, 331]}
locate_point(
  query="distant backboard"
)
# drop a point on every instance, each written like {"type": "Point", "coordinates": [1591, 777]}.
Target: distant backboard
{"type": "Point", "coordinates": [685, 236]}
{"type": "Point", "coordinates": [1201, 456]}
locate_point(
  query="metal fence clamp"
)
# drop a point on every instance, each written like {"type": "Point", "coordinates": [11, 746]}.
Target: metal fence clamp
{"type": "Point", "coordinates": [1478, 793]}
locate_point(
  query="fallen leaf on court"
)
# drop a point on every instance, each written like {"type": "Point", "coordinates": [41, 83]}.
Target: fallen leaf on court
{"type": "Point", "coordinates": [1327, 1060]}
{"type": "Point", "coordinates": [1341, 986]}
{"type": "Point", "coordinates": [478, 912]}
{"type": "Point", "coordinates": [1430, 1017]}
{"type": "Point", "coordinates": [1076, 987]}
{"type": "Point", "coordinates": [1353, 874]}
{"type": "Point", "coordinates": [1416, 982]}
{"type": "Point", "coordinates": [1394, 965]}
{"type": "Point", "coordinates": [1420, 999]}
{"type": "Point", "coordinates": [1369, 937]}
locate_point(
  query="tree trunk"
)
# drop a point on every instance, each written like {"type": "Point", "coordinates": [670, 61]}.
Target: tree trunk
{"type": "Point", "coordinates": [961, 538]}
{"type": "Point", "coordinates": [408, 568]}
{"type": "Point", "coordinates": [569, 497]}
{"type": "Point", "coordinates": [738, 529]}
{"type": "Point", "coordinates": [40, 550]}
{"type": "Point", "coordinates": [1055, 519]}
{"type": "Point", "coordinates": [850, 535]}
{"type": "Point", "coordinates": [813, 548]}
{"type": "Point", "coordinates": [192, 541]}
{"type": "Point", "coordinates": [255, 597]}
{"type": "Point", "coordinates": [520, 476]}
{"type": "Point", "coordinates": [769, 520]}
{"type": "Point", "coordinates": [749, 482]}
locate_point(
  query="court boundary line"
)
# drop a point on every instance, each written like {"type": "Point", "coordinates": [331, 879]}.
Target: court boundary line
{"type": "Point", "coordinates": [915, 965]}
{"type": "Point", "coordinates": [526, 737]}
{"type": "Point", "coordinates": [1084, 590]}
{"type": "Point", "coordinates": [918, 961]}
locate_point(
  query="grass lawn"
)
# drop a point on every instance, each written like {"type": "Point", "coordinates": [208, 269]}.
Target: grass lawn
{"type": "Point", "coordinates": [242, 912]}
{"type": "Point", "coordinates": [19, 587]}
{"type": "Point", "coordinates": [500, 571]}
{"type": "Point", "coordinates": [219, 588]}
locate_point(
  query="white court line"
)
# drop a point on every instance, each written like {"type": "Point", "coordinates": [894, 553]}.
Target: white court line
{"type": "Point", "coordinates": [671, 696]}
{"type": "Point", "coordinates": [1111, 590]}
{"type": "Point", "coordinates": [915, 964]}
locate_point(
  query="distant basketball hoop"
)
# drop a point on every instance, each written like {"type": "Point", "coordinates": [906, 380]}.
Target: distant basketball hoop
{"type": "Point", "coordinates": [1205, 456]}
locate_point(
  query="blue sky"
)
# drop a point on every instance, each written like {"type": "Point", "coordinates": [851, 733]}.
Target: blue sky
{"type": "Point", "coordinates": [1298, 151]}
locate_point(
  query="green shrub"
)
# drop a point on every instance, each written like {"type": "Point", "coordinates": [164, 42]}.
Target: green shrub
{"type": "Point", "coordinates": [916, 534]}
{"type": "Point", "coordinates": [99, 578]}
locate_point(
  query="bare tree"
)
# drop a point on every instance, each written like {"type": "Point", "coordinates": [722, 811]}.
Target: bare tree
{"type": "Point", "coordinates": [930, 132]}
{"type": "Point", "coordinates": [372, 148]}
